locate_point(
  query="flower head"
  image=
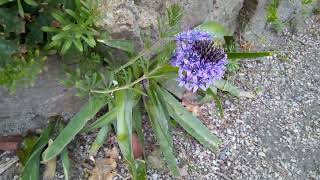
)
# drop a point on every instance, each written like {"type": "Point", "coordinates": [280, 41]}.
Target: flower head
{"type": "Point", "coordinates": [199, 60]}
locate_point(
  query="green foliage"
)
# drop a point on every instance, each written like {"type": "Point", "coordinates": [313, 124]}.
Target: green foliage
{"type": "Point", "coordinates": [170, 24]}
{"type": "Point", "coordinates": [74, 27]}
{"type": "Point", "coordinates": [272, 16]}
{"type": "Point", "coordinates": [306, 1]}
{"type": "Point", "coordinates": [21, 70]}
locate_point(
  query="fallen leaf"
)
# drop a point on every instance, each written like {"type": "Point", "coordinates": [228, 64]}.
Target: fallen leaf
{"type": "Point", "coordinates": [104, 167]}
{"type": "Point", "coordinates": [113, 153]}
{"type": "Point", "coordinates": [190, 103]}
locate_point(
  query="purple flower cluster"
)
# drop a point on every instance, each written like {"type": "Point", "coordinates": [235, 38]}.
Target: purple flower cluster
{"type": "Point", "coordinates": [200, 62]}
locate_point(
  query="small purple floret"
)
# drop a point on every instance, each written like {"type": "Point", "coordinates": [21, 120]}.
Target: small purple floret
{"type": "Point", "coordinates": [200, 62]}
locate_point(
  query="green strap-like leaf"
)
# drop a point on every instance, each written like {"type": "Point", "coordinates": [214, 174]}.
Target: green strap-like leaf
{"type": "Point", "coordinates": [245, 55]}
{"type": "Point", "coordinates": [73, 127]}
{"type": "Point", "coordinates": [124, 105]}
{"type": "Point", "coordinates": [100, 140]}
{"type": "Point", "coordinates": [190, 123]}
{"type": "Point", "coordinates": [65, 163]}
{"type": "Point", "coordinates": [102, 121]}
{"type": "Point", "coordinates": [124, 45]}
{"type": "Point", "coordinates": [31, 169]}
{"type": "Point", "coordinates": [157, 117]}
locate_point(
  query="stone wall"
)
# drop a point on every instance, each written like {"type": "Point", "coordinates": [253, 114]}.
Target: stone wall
{"type": "Point", "coordinates": [126, 18]}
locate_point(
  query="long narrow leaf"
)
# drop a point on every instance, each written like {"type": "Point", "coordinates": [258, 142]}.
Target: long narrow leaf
{"type": "Point", "coordinates": [155, 117]}
{"type": "Point", "coordinates": [190, 123]}
{"type": "Point", "coordinates": [124, 45]}
{"type": "Point", "coordinates": [65, 163]}
{"type": "Point", "coordinates": [124, 104]}
{"type": "Point", "coordinates": [102, 121]}
{"type": "Point", "coordinates": [31, 169]}
{"type": "Point", "coordinates": [245, 55]}
{"type": "Point", "coordinates": [74, 126]}
{"type": "Point", "coordinates": [214, 28]}
{"type": "Point", "coordinates": [100, 140]}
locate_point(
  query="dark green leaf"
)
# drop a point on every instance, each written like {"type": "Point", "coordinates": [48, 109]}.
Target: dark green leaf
{"type": "Point", "coordinates": [190, 123]}
{"type": "Point", "coordinates": [234, 55]}
{"type": "Point", "coordinates": [137, 124]}
{"type": "Point", "coordinates": [26, 148]}
{"type": "Point", "coordinates": [10, 21]}
{"type": "Point", "coordinates": [73, 127]}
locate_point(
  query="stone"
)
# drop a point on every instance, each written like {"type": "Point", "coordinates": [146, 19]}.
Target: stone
{"type": "Point", "coordinates": [127, 19]}
{"type": "Point", "coordinates": [29, 108]}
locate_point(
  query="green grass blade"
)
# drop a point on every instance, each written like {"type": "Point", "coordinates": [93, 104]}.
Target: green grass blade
{"type": "Point", "coordinates": [124, 105]}
{"type": "Point", "coordinates": [100, 140]}
{"type": "Point", "coordinates": [190, 123]}
{"type": "Point", "coordinates": [245, 55]}
{"type": "Point", "coordinates": [73, 127]}
{"type": "Point", "coordinates": [155, 113]}
{"type": "Point", "coordinates": [102, 121]}
{"type": "Point", "coordinates": [31, 169]}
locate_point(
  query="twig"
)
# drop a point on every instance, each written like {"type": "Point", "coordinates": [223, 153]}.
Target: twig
{"type": "Point", "coordinates": [7, 165]}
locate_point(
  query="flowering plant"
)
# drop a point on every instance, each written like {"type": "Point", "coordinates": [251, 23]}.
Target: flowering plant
{"type": "Point", "coordinates": [195, 58]}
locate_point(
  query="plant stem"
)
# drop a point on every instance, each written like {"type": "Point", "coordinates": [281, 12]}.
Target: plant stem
{"type": "Point", "coordinates": [120, 88]}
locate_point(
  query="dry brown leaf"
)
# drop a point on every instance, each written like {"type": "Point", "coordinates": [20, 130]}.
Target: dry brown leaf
{"type": "Point", "coordinates": [190, 103]}
{"type": "Point", "coordinates": [104, 167]}
{"type": "Point", "coordinates": [113, 153]}
{"type": "Point", "coordinates": [10, 143]}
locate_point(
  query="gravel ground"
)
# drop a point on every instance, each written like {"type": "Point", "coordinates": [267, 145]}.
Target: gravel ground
{"type": "Point", "coordinates": [274, 136]}
{"type": "Point", "coordinates": [277, 134]}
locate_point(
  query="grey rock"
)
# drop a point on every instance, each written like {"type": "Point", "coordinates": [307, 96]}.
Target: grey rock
{"type": "Point", "coordinates": [126, 19]}
{"type": "Point", "coordinates": [29, 108]}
